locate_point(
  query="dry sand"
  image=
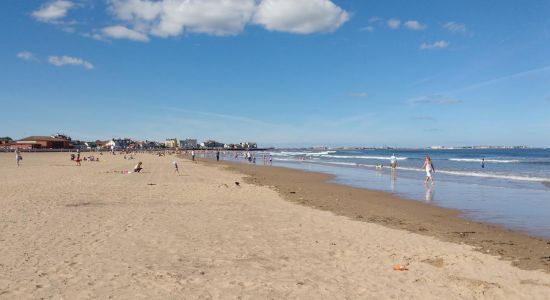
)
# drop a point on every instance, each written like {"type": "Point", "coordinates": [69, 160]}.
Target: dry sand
{"type": "Point", "coordinates": [89, 232]}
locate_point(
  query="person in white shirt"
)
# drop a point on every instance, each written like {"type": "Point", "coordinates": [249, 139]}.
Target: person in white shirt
{"type": "Point", "coordinates": [393, 161]}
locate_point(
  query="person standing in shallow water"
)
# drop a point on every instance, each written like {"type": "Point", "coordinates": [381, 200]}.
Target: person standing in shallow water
{"type": "Point", "coordinates": [218, 155]}
{"type": "Point", "coordinates": [429, 167]}
{"type": "Point", "coordinates": [393, 161]}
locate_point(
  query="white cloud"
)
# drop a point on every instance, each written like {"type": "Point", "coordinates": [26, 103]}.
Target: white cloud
{"type": "Point", "coordinates": [414, 25]}
{"type": "Point", "coordinates": [26, 55]}
{"type": "Point", "coordinates": [167, 18]}
{"type": "Point", "coordinates": [393, 23]}
{"type": "Point", "coordinates": [435, 99]}
{"type": "Point", "coordinates": [367, 28]}
{"type": "Point", "coordinates": [68, 60]}
{"type": "Point", "coordinates": [455, 27]}
{"type": "Point", "coordinates": [375, 20]}
{"type": "Point", "coordinates": [359, 95]}
{"type": "Point", "coordinates": [424, 118]}
{"type": "Point", "coordinates": [52, 11]}
{"type": "Point", "coordinates": [121, 32]}
{"type": "Point", "coordinates": [136, 9]}
{"type": "Point", "coordinates": [435, 45]}
{"type": "Point", "coordinates": [300, 16]}
{"type": "Point", "coordinates": [215, 17]}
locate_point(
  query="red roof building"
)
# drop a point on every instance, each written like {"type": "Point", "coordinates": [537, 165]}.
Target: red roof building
{"type": "Point", "coordinates": [42, 142]}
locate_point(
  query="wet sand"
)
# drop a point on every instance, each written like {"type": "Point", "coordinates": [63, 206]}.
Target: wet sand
{"type": "Point", "coordinates": [315, 190]}
{"type": "Point", "coordinates": [96, 232]}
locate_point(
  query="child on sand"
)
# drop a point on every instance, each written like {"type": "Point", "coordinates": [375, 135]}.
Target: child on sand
{"type": "Point", "coordinates": [138, 168]}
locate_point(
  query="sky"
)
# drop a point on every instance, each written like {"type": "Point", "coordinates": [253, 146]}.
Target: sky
{"type": "Point", "coordinates": [284, 73]}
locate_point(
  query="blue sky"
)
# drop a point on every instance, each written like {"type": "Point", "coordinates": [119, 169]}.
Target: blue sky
{"type": "Point", "coordinates": [279, 72]}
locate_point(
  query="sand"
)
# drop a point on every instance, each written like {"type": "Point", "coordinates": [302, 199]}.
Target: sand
{"type": "Point", "coordinates": [318, 191]}
{"type": "Point", "coordinates": [91, 232]}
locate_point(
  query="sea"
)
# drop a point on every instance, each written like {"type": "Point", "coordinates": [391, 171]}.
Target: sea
{"type": "Point", "coordinates": [511, 188]}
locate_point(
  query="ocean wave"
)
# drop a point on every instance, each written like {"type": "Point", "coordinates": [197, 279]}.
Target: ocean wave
{"type": "Point", "coordinates": [365, 157]}
{"type": "Point", "coordinates": [475, 174]}
{"type": "Point", "coordinates": [291, 153]}
{"type": "Point", "coordinates": [479, 160]}
{"type": "Point", "coordinates": [496, 176]}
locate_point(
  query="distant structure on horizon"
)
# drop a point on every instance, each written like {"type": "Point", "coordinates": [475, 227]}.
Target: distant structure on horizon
{"type": "Point", "coordinates": [41, 142]}
{"type": "Point", "coordinates": [171, 143]}
{"type": "Point", "coordinates": [188, 143]}
{"type": "Point", "coordinates": [63, 141]}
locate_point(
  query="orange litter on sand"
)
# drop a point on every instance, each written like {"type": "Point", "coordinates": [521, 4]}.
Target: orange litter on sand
{"type": "Point", "coordinates": [399, 267]}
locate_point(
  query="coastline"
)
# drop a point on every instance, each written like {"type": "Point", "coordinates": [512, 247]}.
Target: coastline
{"type": "Point", "coordinates": [317, 191]}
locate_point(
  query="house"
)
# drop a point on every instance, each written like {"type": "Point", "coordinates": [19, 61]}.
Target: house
{"type": "Point", "coordinates": [117, 144]}
{"type": "Point", "coordinates": [211, 144]}
{"type": "Point", "coordinates": [188, 144]}
{"type": "Point", "coordinates": [99, 144]}
{"type": "Point", "coordinates": [43, 142]}
{"type": "Point", "coordinates": [78, 145]}
{"type": "Point", "coordinates": [5, 140]}
{"type": "Point", "coordinates": [171, 143]}
{"type": "Point", "coordinates": [90, 145]}
{"type": "Point", "coordinates": [249, 145]}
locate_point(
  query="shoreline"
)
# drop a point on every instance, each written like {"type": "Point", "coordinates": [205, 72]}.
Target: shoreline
{"type": "Point", "coordinates": [317, 191]}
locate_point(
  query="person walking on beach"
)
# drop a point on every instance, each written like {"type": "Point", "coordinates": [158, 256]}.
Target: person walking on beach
{"type": "Point", "coordinates": [176, 170]}
{"type": "Point", "coordinates": [429, 167]}
{"type": "Point", "coordinates": [218, 155]}
{"type": "Point", "coordinates": [193, 155]}
{"type": "Point", "coordinates": [18, 156]}
{"type": "Point", "coordinates": [78, 158]}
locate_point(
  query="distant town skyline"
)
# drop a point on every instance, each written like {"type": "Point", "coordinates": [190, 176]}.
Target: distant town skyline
{"type": "Point", "coordinates": [280, 73]}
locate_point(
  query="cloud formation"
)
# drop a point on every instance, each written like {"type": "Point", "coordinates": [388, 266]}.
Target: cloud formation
{"type": "Point", "coordinates": [300, 16]}
{"type": "Point", "coordinates": [359, 95]}
{"type": "Point", "coordinates": [414, 25]}
{"type": "Point", "coordinates": [52, 10]}
{"type": "Point", "coordinates": [64, 60]}
{"type": "Point", "coordinates": [26, 55]}
{"type": "Point", "coordinates": [393, 23]}
{"type": "Point", "coordinates": [367, 28]}
{"type": "Point", "coordinates": [435, 99]}
{"type": "Point", "coordinates": [435, 45]}
{"type": "Point", "coordinates": [170, 18]}
{"type": "Point", "coordinates": [455, 27]}
{"type": "Point", "coordinates": [121, 32]}
{"type": "Point", "coordinates": [424, 118]}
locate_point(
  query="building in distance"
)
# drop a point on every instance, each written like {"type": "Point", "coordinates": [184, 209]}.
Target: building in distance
{"type": "Point", "coordinates": [188, 144]}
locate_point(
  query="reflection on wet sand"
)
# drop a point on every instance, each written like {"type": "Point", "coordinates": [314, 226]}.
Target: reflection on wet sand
{"type": "Point", "coordinates": [429, 193]}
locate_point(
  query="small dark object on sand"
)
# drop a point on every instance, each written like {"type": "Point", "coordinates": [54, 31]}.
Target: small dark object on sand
{"type": "Point", "coordinates": [151, 184]}
{"type": "Point", "coordinates": [237, 183]}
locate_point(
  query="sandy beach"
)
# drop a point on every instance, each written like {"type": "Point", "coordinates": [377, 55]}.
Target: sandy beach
{"type": "Point", "coordinates": [93, 231]}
